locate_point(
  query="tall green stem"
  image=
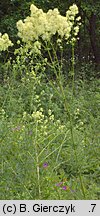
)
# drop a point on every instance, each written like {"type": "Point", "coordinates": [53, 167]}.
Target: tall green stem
{"type": "Point", "coordinates": [67, 109]}
{"type": "Point", "coordinates": [37, 162]}
{"type": "Point", "coordinates": [71, 119]}
{"type": "Point", "coordinates": [73, 69]}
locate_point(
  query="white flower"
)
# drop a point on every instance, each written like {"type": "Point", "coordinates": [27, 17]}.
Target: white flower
{"type": "Point", "coordinates": [45, 25]}
{"type": "Point", "coordinates": [49, 112]}
{"type": "Point", "coordinates": [5, 42]}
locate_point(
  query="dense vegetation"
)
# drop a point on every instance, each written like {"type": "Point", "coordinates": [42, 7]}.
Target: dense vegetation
{"type": "Point", "coordinates": [49, 100]}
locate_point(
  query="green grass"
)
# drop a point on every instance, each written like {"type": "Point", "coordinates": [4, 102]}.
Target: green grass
{"type": "Point", "coordinates": [47, 155]}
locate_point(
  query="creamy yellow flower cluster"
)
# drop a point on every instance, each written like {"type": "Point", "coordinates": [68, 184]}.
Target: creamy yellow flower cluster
{"type": "Point", "coordinates": [45, 25]}
{"type": "Point", "coordinates": [5, 42]}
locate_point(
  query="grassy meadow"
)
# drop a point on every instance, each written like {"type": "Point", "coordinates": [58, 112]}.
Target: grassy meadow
{"type": "Point", "coordinates": [45, 151]}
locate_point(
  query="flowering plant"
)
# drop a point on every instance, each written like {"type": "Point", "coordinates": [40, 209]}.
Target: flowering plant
{"type": "Point", "coordinates": [45, 25]}
{"type": "Point", "coordinates": [5, 42]}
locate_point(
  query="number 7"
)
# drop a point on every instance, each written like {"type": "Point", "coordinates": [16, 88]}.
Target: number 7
{"type": "Point", "coordinates": [94, 205]}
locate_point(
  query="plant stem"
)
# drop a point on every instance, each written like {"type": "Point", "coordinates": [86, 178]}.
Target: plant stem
{"type": "Point", "coordinates": [71, 120]}
{"type": "Point", "coordinates": [73, 69]}
{"type": "Point", "coordinates": [37, 162]}
{"type": "Point", "coordinates": [67, 108]}
{"type": "Point", "coordinates": [76, 157]}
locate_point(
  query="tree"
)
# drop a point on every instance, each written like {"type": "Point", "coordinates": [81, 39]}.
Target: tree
{"type": "Point", "coordinates": [10, 12]}
{"type": "Point", "coordinates": [92, 16]}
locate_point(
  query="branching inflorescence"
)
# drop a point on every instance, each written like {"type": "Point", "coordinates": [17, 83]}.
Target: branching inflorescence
{"type": "Point", "coordinates": [45, 25]}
